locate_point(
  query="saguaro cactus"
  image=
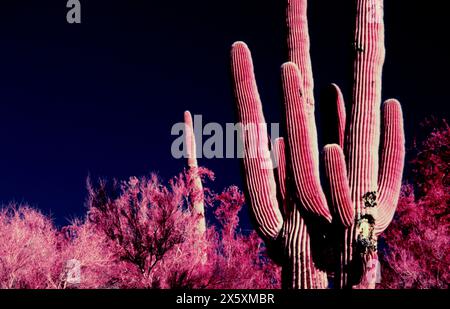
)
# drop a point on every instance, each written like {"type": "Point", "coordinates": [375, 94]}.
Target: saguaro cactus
{"type": "Point", "coordinates": [197, 200]}
{"type": "Point", "coordinates": [360, 197]}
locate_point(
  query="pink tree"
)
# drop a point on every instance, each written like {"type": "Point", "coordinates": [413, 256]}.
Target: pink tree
{"type": "Point", "coordinates": [86, 258]}
{"type": "Point", "coordinates": [28, 246]}
{"type": "Point", "coordinates": [35, 255]}
{"type": "Point", "coordinates": [155, 236]}
{"type": "Point", "coordinates": [137, 234]}
{"type": "Point", "coordinates": [239, 253]}
{"type": "Point", "coordinates": [416, 253]}
{"type": "Point", "coordinates": [149, 226]}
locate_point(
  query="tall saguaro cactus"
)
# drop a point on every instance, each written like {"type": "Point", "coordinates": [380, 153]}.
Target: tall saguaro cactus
{"type": "Point", "coordinates": [358, 201]}
{"type": "Point", "coordinates": [197, 201]}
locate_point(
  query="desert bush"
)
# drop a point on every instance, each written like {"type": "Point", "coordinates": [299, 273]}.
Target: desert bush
{"type": "Point", "coordinates": [416, 252]}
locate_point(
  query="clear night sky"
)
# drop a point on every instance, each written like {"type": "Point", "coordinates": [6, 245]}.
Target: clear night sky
{"type": "Point", "coordinates": [100, 98]}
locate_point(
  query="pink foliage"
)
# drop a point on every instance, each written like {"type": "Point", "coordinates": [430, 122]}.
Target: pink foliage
{"type": "Point", "coordinates": [33, 254]}
{"type": "Point", "coordinates": [27, 249]}
{"type": "Point", "coordinates": [417, 254]}
{"type": "Point", "coordinates": [242, 259]}
{"type": "Point", "coordinates": [154, 236]}
{"type": "Point", "coordinates": [151, 231]}
{"type": "Point", "coordinates": [137, 234]}
{"type": "Point", "coordinates": [81, 243]}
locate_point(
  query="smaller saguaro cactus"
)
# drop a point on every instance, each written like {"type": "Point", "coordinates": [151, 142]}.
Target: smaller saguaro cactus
{"type": "Point", "coordinates": [198, 205]}
{"type": "Point", "coordinates": [291, 205]}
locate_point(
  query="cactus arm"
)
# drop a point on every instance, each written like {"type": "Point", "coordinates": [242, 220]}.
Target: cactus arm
{"type": "Point", "coordinates": [198, 204]}
{"type": "Point", "coordinates": [299, 53]}
{"type": "Point", "coordinates": [191, 151]}
{"type": "Point", "coordinates": [335, 170]}
{"type": "Point", "coordinates": [333, 114]}
{"type": "Point", "coordinates": [259, 174]}
{"type": "Point", "coordinates": [280, 157]}
{"type": "Point", "coordinates": [391, 165]}
{"type": "Point", "coordinates": [340, 114]}
{"type": "Point", "coordinates": [299, 45]}
{"type": "Point", "coordinates": [365, 116]}
{"type": "Point", "coordinates": [301, 146]}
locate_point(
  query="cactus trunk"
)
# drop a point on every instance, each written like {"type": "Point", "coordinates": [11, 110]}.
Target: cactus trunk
{"type": "Point", "coordinates": [197, 200]}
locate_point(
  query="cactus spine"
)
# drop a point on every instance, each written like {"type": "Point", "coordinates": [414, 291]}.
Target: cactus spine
{"type": "Point", "coordinates": [291, 206]}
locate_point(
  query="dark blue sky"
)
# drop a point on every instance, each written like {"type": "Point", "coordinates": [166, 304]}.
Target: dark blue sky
{"type": "Point", "coordinates": [100, 98]}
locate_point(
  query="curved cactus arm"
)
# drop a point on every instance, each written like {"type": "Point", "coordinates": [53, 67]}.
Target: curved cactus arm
{"type": "Point", "coordinates": [299, 45]}
{"type": "Point", "coordinates": [340, 114]}
{"type": "Point", "coordinates": [258, 165]}
{"type": "Point", "coordinates": [198, 204]}
{"type": "Point", "coordinates": [335, 170]}
{"type": "Point", "coordinates": [364, 129]}
{"type": "Point", "coordinates": [299, 53]}
{"type": "Point", "coordinates": [392, 162]}
{"type": "Point", "coordinates": [280, 157]}
{"type": "Point", "coordinates": [333, 114]}
{"type": "Point", "coordinates": [301, 145]}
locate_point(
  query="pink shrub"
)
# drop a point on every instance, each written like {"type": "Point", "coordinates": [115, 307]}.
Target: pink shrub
{"type": "Point", "coordinates": [149, 226]}
{"type": "Point", "coordinates": [86, 259]}
{"type": "Point", "coordinates": [28, 246]}
{"type": "Point", "coordinates": [417, 254]}
{"type": "Point", "coordinates": [154, 236]}
{"type": "Point", "coordinates": [137, 234]}
{"type": "Point", "coordinates": [242, 259]}
{"type": "Point", "coordinates": [34, 255]}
